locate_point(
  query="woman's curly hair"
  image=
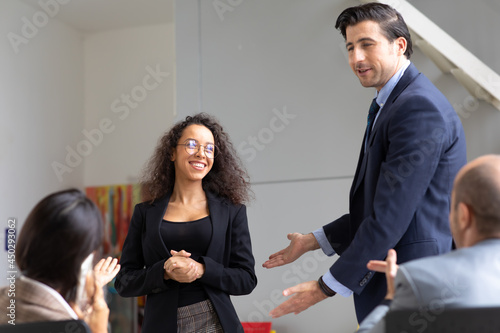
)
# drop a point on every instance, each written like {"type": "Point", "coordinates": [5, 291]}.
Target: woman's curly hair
{"type": "Point", "coordinates": [227, 178]}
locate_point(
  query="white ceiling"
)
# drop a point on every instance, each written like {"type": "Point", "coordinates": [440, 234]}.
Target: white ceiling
{"type": "Point", "coordinates": [90, 16]}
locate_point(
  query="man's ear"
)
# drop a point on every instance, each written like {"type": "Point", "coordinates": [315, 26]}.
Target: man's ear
{"type": "Point", "coordinates": [464, 216]}
{"type": "Point", "coordinates": [401, 44]}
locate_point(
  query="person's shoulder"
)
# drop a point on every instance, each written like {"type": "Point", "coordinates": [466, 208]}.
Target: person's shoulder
{"type": "Point", "coordinates": [153, 202]}
{"type": "Point", "coordinates": [488, 250]}
{"type": "Point", "coordinates": [427, 263]}
{"type": "Point", "coordinates": [423, 98]}
{"type": "Point", "coordinates": [223, 201]}
{"type": "Point", "coordinates": [446, 262]}
{"type": "Point", "coordinates": [217, 198]}
{"type": "Point", "coordinates": [421, 87]}
{"type": "Point", "coordinates": [142, 206]}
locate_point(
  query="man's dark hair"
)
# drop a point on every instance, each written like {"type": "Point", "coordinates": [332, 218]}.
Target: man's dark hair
{"type": "Point", "coordinates": [480, 190]}
{"type": "Point", "coordinates": [390, 21]}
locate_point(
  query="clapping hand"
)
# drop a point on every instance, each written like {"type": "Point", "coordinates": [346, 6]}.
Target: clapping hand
{"type": "Point", "coordinates": [105, 270]}
{"type": "Point", "coordinates": [96, 313]}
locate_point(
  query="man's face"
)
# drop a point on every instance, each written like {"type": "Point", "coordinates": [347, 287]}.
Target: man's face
{"type": "Point", "coordinates": [372, 57]}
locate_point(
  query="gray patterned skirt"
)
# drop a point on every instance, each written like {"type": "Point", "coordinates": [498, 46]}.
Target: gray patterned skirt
{"type": "Point", "coordinates": [198, 318]}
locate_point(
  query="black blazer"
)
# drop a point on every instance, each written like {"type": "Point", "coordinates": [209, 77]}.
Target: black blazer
{"type": "Point", "coordinates": [229, 264]}
{"type": "Point", "coordinates": [400, 195]}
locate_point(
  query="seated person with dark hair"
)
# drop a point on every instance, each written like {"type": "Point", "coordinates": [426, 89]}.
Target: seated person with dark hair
{"type": "Point", "coordinates": [54, 252]}
{"type": "Point", "coordinates": [466, 277]}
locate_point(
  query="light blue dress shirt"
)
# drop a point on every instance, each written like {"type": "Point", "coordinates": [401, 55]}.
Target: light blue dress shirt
{"type": "Point", "coordinates": [381, 97]}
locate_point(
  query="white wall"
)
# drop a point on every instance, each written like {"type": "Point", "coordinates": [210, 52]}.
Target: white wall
{"type": "Point", "coordinates": [41, 104]}
{"type": "Point", "coordinates": [129, 85]}
{"type": "Point", "coordinates": [247, 61]}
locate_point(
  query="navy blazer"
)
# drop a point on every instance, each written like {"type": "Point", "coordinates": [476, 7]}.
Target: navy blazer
{"type": "Point", "coordinates": [229, 264]}
{"type": "Point", "coordinates": [400, 195]}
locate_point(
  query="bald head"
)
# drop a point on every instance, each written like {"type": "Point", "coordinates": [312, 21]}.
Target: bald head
{"type": "Point", "coordinates": [477, 185]}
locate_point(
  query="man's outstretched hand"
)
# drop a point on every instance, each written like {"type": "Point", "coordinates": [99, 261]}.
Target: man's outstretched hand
{"type": "Point", "coordinates": [302, 297]}
{"type": "Point", "coordinates": [299, 244]}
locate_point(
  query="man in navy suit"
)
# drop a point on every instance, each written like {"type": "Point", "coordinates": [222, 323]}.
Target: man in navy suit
{"type": "Point", "coordinates": [413, 147]}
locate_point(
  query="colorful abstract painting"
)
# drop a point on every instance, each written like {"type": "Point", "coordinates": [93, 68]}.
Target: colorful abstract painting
{"type": "Point", "coordinates": [116, 203]}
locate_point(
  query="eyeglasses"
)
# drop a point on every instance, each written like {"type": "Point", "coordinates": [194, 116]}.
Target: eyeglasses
{"type": "Point", "coordinates": [193, 146]}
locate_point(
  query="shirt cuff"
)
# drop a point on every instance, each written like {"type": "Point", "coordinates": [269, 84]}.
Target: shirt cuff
{"type": "Point", "coordinates": [335, 285]}
{"type": "Point", "coordinates": [320, 236]}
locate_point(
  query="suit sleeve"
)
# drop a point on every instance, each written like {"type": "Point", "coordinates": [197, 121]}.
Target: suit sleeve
{"type": "Point", "coordinates": [135, 277]}
{"type": "Point", "coordinates": [338, 234]}
{"type": "Point", "coordinates": [416, 135]}
{"type": "Point", "coordinates": [236, 276]}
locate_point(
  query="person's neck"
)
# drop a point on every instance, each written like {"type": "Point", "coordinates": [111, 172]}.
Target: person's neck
{"type": "Point", "coordinates": [400, 63]}
{"type": "Point", "coordinates": [478, 238]}
{"type": "Point", "coordinates": [187, 192]}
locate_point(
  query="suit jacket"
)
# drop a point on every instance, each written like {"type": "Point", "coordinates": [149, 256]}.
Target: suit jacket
{"type": "Point", "coordinates": [468, 277]}
{"type": "Point", "coordinates": [229, 264]}
{"type": "Point", "coordinates": [33, 303]}
{"type": "Point", "coordinates": [400, 194]}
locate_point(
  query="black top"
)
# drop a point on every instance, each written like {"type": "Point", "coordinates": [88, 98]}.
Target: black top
{"type": "Point", "coordinates": [193, 237]}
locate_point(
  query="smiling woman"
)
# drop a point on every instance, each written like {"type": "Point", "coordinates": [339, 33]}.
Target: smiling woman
{"type": "Point", "coordinates": [188, 247]}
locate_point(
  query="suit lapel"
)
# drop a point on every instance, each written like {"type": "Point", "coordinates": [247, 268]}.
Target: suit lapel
{"type": "Point", "coordinates": [219, 214]}
{"type": "Point", "coordinates": [410, 74]}
{"type": "Point", "coordinates": [154, 219]}
{"type": "Point", "coordinates": [359, 167]}
{"type": "Point", "coordinates": [362, 168]}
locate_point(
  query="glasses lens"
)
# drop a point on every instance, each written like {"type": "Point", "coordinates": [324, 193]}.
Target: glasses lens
{"type": "Point", "coordinates": [210, 150]}
{"type": "Point", "coordinates": [191, 146]}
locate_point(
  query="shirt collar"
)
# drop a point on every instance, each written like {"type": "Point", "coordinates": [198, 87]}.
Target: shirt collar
{"type": "Point", "coordinates": [386, 90]}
